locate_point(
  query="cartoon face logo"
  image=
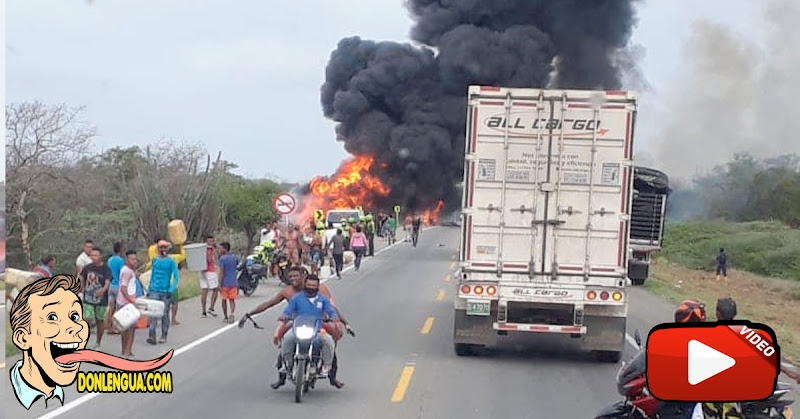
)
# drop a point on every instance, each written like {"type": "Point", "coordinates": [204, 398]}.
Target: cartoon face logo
{"type": "Point", "coordinates": [47, 322]}
{"type": "Point", "coordinates": [48, 327]}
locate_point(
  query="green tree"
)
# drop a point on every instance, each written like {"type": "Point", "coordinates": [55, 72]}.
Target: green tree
{"type": "Point", "coordinates": [248, 205]}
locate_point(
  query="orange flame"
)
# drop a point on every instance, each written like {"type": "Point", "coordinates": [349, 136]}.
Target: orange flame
{"type": "Point", "coordinates": [353, 185]}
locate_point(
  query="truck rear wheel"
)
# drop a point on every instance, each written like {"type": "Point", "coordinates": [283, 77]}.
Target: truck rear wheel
{"type": "Point", "coordinates": [465, 349]}
{"type": "Point", "coordinates": [638, 281]}
{"type": "Point", "coordinates": [609, 356]}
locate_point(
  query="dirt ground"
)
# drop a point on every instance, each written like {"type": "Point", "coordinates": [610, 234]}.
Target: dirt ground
{"type": "Point", "coordinates": [774, 302]}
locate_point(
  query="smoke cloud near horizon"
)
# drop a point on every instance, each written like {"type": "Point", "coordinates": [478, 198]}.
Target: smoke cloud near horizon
{"type": "Point", "coordinates": [405, 105]}
{"type": "Point", "coordinates": [732, 96]}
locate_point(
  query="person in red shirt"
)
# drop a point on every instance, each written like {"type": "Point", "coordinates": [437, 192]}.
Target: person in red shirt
{"type": "Point", "coordinates": [209, 280]}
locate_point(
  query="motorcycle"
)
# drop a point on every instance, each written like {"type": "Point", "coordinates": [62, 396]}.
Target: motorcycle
{"type": "Point", "coordinates": [640, 404]}
{"type": "Point", "coordinates": [249, 273]}
{"type": "Point", "coordinates": [279, 264]}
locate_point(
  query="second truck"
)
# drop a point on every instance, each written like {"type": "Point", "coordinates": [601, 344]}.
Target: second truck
{"type": "Point", "coordinates": [545, 233]}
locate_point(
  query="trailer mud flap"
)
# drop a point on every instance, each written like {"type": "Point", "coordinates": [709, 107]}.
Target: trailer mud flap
{"type": "Point", "coordinates": [604, 333]}
{"type": "Point", "coordinates": [475, 330]}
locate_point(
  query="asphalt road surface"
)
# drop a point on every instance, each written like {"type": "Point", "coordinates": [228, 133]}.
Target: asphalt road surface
{"type": "Point", "coordinates": [400, 365]}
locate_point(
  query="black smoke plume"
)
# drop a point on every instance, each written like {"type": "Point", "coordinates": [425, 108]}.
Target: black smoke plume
{"type": "Point", "coordinates": [405, 105]}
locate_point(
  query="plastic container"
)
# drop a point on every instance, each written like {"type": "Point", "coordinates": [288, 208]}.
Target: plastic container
{"type": "Point", "coordinates": [126, 317]}
{"type": "Point", "coordinates": [177, 232]}
{"type": "Point", "coordinates": [196, 257]}
{"type": "Point", "coordinates": [150, 308]}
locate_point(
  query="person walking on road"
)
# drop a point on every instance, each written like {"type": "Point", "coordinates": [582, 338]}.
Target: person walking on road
{"type": "Point", "coordinates": [415, 233]}
{"type": "Point", "coordinates": [115, 263]}
{"type": "Point", "coordinates": [127, 295]}
{"type": "Point", "coordinates": [359, 243]}
{"type": "Point", "coordinates": [230, 288]}
{"type": "Point", "coordinates": [391, 228]}
{"type": "Point", "coordinates": [95, 281]}
{"type": "Point", "coordinates": [722, 264]}
{"type": "Point", "coordinates": [164, 278]}
{"type": "Point", "coordinates": [179, 257]}
{"type": "Point", "coordinates": [209, 279]}
{"type": "Point", "coordinates": [370, 235]}
{"type": "Point", "coordinates": [336, 244]}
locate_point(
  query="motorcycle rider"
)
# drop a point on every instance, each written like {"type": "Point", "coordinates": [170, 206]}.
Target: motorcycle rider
{"type": "Point", "coordinates": [309, 303]}
{"type": "Point", "coordinates": [297, 279]}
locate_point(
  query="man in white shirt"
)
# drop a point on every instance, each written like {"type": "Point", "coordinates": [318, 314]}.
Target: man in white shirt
{"type": "Point", "coordinates": [83, 260]}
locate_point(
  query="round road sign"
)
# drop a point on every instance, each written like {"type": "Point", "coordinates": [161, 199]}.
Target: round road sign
{"type": "Point", "coordinates": [284, 203]}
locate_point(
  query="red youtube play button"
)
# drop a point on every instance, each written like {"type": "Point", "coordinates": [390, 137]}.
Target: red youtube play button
{"type": "Point", "coordinates": [712, 362]}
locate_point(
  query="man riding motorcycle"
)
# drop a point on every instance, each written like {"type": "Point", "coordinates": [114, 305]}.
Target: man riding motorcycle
{"type": "Point", "coordinates": [297, 278]}
{"type": "Point", "coordinates": [308, 304]}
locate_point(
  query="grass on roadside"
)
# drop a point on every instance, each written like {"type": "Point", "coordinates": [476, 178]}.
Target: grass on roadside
{"type": "Point", "coordinates": [771, 301]}
{"type": "Point", "coordinates": [188, 287]}
{"type": "Point", "coordinates": [763, 247]}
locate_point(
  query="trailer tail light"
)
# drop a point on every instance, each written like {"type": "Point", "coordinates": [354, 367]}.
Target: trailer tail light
{"type": "Point", "coordinates": [465, 289]}
{"type": "Point", "coordinates": [617, 296]}
{"type": "Point", "coordinates": [591, 295]}
{"type": "Point", "coordinates": [491, 290]}
{"type": "Point", "coordinates": [604, 295]}
{"type": "Point", "coordinates": [478, 289]}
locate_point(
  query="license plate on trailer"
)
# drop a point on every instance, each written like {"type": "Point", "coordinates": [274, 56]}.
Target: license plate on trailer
{"type": "Point", "coordinates": [478, 307]}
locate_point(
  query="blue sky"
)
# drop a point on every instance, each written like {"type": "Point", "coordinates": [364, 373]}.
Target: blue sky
{"type": "Point", "coordinates": [244, 78]}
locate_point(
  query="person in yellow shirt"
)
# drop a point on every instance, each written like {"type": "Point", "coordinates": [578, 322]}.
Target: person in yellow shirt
{"type": "Point", "coordinates": [179, 257]}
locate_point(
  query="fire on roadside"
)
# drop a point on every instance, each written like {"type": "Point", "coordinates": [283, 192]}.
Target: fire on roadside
{"type": "Point", "coordinates": [352, 185]}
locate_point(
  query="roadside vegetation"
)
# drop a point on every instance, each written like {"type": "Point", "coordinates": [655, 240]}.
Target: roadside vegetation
{"type": "Point", "coordinates": [61, 190]}
{"type": "Point", "coordinates": [767, 248]}
{"type": "Point", "coordinates": [751, 208]}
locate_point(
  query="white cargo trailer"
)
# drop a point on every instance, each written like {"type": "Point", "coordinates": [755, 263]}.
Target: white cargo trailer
{"type": "Point", "coordinates": [545, 228]}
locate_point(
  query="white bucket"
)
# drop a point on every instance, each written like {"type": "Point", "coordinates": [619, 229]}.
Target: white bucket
{"type": "Point", "coordinates": [196, 257]}
{"type": "Point", "coordinates": [150, 308]}
{"type": "Point", "coordinates": [126, 317]}
{"type": "Point", "coordinates": [349, 257]}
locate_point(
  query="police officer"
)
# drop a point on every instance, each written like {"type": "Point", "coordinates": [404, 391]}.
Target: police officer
{"type": "Point", "coordinates": [370, 224]}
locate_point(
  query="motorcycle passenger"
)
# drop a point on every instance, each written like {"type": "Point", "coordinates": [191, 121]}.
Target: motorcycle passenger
{"type": "Point", "coordinates": [310, 303]}
{"type": "Point", "coordinates": [296, 278]}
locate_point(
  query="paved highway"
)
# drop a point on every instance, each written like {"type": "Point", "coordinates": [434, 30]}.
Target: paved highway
{"type": "Point", "coordinates": [400, 365]}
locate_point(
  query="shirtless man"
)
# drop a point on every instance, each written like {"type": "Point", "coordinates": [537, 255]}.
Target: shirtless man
{"type": "Point", "coordinates": [316, 253]}
{"type": "Point", "coordinates": [296, 276]}
{"type": "Point", "coordinates": [292, 245]}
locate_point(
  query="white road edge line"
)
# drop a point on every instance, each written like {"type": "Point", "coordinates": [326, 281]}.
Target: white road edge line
{"type": "Point", "coordinates": [83, 399]}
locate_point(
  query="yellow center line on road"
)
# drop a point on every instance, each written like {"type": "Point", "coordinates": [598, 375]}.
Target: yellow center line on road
{"type": "Point", "coordinates": [452, 265]}
{"type": "Point", "coordinates": [447, 278]}
{"type": "Point", "coordinates": [440, 295]}
{"type": "Point", "coordinates": [2, 365]}
{"type": "Point", "coordinates": [402, 384]}
{"type": "Point", "coordinates": [426, 328]}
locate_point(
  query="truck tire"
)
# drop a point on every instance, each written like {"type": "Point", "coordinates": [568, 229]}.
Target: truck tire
{"type": "Point", "coordinates": [609, 356]}
{"type": "Point", "coordinates": [465, 349]}
{"type": "Point", "coordinates": [638, 281]}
